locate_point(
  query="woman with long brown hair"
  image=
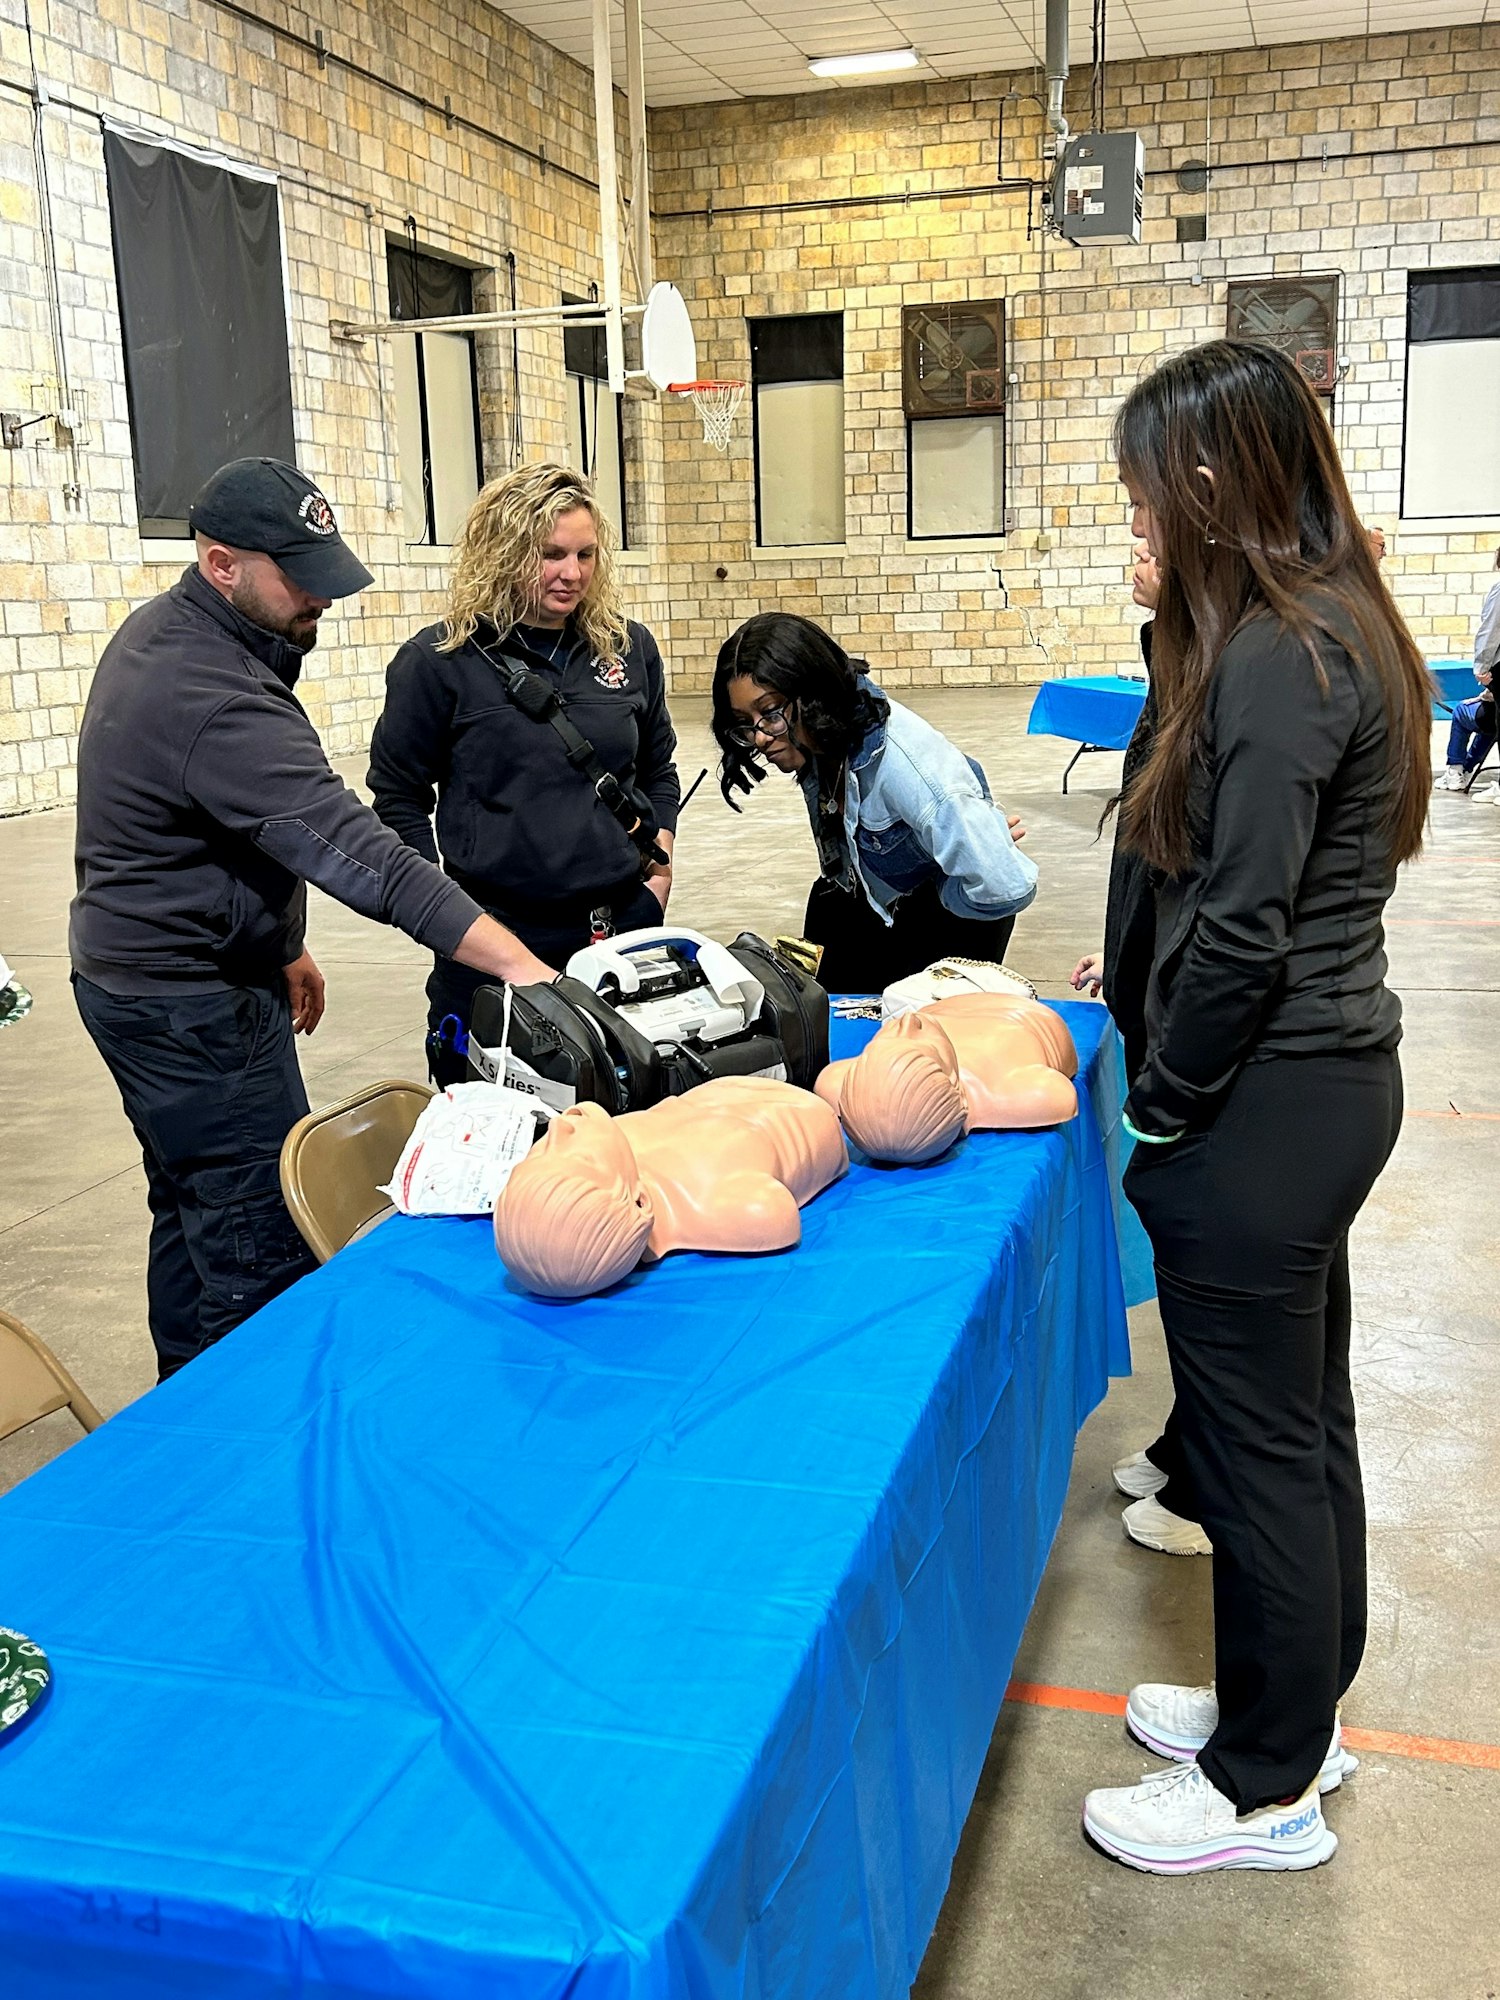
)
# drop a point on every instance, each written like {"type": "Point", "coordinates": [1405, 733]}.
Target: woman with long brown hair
{"type": "Point", "coordinates": [1287, 779]}
{"type": "Point", "coordinates": [565, 850]}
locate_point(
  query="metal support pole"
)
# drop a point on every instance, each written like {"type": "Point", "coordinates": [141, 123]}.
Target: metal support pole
{"type": "Point", "coordinates": [640, 163]}
{"type": "Point", "coordinates": [609, 197]}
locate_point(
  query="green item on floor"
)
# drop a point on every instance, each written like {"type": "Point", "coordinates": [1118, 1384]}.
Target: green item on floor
{"type": "Point", "coordinates": [25, 1678]}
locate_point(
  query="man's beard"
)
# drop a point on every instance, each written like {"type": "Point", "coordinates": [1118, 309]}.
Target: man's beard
{"type": "Point", "coordinates": [300, 630]}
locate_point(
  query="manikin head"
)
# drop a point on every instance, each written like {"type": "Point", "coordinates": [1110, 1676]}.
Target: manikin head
{"type": "Point", "coordinates": [574, 1217]}
{"type": "Point", "coordinates": [902, 1099]}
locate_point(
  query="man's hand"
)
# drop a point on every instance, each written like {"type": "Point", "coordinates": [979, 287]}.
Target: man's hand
{"type": "Point", "coordinates": [304, 989]}
{"type": "Point", "coordinates": [489, 947]}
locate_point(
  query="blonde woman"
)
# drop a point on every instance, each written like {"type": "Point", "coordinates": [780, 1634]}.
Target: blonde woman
{"type": "Point", "coordinates": [521, 826]}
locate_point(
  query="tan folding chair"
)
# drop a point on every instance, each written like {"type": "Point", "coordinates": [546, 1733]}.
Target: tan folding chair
{"type": "Point", "coordinates": [335, 1161]}
{"type": "Point", "coordinates": [34, 1383]}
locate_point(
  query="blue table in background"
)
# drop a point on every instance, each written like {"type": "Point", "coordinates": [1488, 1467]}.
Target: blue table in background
{"type": "Point", "coordinates": [426, 1639]}
{"type": "Point", "coordinates": [1095, 711]}
{"type": "Point", "coordinates": [1099, 711]}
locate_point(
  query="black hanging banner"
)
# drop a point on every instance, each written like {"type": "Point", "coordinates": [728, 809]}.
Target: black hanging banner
{"type": "Point", "coordinates": [203, 315]}
{"type": "Point", "coordinates": [1453, 305]}
{"type": "Point", "coordinates": [797, 347]}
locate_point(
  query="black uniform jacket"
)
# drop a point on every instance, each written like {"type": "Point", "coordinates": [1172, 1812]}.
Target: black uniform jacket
{"type": "Point", "coordinates": [518, 826]}
{"type": "Point", "coordinates": [205, 802]}
{"type": "Point", "coordinates": [1271, 943]}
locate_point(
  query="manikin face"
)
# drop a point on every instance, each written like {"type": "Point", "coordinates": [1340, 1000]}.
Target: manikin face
{"type": "Point", "coordinates": [777, 737]}
{"type": "Point", "coordinates": [569, 556]}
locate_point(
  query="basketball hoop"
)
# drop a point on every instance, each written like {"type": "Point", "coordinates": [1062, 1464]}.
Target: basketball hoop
{"type": "Point", "coordinates": [717, 404]}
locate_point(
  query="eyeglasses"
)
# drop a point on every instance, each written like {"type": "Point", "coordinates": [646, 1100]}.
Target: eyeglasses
{"type": "Point", "coordinates": [771, 723]}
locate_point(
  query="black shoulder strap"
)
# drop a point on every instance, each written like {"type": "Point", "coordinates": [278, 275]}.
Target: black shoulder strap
{"type": "Point", "coordinates": [538, 699]}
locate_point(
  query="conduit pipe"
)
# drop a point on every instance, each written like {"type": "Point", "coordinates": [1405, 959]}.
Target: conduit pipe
{"type": "Point", "coordinates": [1057, 74]}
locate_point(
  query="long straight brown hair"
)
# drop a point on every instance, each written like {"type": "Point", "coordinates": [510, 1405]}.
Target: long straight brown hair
{"type": "Point", "coordinates": [1272, 534]}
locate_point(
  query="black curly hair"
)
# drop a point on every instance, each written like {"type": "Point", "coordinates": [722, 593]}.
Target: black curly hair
{"type": "Point", "coordinates": [819, 686]}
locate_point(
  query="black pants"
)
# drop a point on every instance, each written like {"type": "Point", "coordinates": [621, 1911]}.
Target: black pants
{"type": "Point", "coordinates": [1249, 1223]}
{"type": "Point", "coordinates": [863, 954]}
{"type": "Point", "coordinates": [1167, 1456]}
{"type": "Point", "coordinates": [211, 1085]}
{"type": "Point", "coordinates": [554, 933]}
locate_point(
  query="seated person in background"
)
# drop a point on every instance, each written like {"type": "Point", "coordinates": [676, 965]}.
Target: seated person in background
{"type": "Point", "coordinates": [521, 825]}
{"type": "Point", "coordinates": [1472, 736]}
{"type": "Point", "coordinates": [917, 861]}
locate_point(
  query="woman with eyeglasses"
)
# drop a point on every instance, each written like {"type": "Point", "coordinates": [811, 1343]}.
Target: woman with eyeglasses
{"type": "Point", "coordinates": [1286, 780]}
{"type": "Point", "coordinates": [916, 860]}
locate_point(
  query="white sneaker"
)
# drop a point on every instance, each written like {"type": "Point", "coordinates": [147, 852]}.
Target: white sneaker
{"type": "Point", "coordinates": [1488, 795]}
{"type": "Point", "coordinates": [1176, 1722]}
{"type": "Point", "coordinates": [1137, 1478]}
{"type": "Point", "coordinates": [1177, 1823]}
{"type": "Point", "coordinates": [1157, 1527]}
{"type": "Point", "coordinates": [1452, 779]}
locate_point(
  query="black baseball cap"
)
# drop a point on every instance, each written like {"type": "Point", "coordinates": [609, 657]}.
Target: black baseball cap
{"type": "Point", "coordinates": [274, 510]}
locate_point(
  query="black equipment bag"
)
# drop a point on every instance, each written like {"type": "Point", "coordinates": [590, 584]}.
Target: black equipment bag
{"type": "Point", "coordinates": [578, 1041]}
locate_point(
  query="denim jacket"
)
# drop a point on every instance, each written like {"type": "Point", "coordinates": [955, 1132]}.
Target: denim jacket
{"type": "Point", "coordinates": [916, 809]}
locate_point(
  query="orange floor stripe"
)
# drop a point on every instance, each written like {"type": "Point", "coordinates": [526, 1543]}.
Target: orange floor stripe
{"type": "Point", "coordinates": [1039, 1695]}
{"type": "Point", "coordinates": [1455, 1117]}
{"type": "Point", "coordinates": [1367, 1742]}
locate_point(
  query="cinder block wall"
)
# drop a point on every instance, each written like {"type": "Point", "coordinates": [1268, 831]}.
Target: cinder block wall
{"type": "Point", "coordinates": [356, 156]}
{"type": "Point", "coordinates": [1368, 157]}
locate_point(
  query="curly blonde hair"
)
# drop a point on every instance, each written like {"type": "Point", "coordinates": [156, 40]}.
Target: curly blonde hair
{"type": "Point", "coordinates": [497, 559]}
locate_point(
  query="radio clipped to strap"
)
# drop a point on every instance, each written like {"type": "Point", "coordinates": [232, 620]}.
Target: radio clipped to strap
{"type": "Point", "coordinates": [537, 699]}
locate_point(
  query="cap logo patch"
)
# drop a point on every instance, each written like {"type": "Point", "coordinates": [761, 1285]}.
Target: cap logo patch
{"type": "Point", "coordinates": [316, 514]}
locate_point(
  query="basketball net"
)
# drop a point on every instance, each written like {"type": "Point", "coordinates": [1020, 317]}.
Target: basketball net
{"type": "Point", "coordinates": [717, 404]}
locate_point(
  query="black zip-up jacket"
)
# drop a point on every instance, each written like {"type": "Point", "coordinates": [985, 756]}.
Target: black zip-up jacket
{"type": "Point", "coordinates": [518, 826]}
{"type": "Point", "coordinates": [1130, 908]}
{"type": "Point", "coordinates": [1271, 944]}
{"type": "Point", "coordinates": [205, 803]}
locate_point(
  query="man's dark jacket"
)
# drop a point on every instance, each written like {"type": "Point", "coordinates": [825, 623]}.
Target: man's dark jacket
{"type": "Point", "coordinates": [205, 803]}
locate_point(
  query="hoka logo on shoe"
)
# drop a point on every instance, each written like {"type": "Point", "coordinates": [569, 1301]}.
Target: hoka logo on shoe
{"type": "Point", "coordinates": [1288, 1829]}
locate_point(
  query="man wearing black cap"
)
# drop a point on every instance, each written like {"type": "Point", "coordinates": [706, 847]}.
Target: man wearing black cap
{"type": "Point", "coordinates": [205, 805]}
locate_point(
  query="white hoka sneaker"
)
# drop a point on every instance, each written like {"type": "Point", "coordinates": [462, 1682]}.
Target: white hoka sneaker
{"type": "Point", "coordinates": [1488, 795]}
{"type": "Point", "coordinates": [1176, 1722]}
{"type": "Point", "coordinates": [1137, 1478]}
{"type": "Point", "coordinates": [1176, 1823]}
{"type": "Point", "coordinates": [1157, 1527]}
{"type": "Point", "coordinates": [1452, 780]}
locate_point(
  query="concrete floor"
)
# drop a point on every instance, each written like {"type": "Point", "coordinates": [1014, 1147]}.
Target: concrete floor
{"type": "Point", "coordinates": [1410, 1908]}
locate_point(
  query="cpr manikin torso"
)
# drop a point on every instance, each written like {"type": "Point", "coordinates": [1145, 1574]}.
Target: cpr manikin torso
{"type": "Point", "coordinates": [725, 1167]}
{"type": "Point", "coordinates": [976, 1062]}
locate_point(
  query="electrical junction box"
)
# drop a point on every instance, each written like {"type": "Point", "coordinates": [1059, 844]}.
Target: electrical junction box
{"type": "Point", "coordinates": [1101, 189]}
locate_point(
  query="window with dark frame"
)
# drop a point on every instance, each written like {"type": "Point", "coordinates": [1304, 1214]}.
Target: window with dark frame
{"type": "Point", "coordinates": [202, 295]}
{"type": "Point", "coordinates": [595, 419]}
{"type": "Point", "coordinates": [1450, 446]}
{"type": "Point", "coordinates": [439, 442]}
{"type": "Point", "coordinates": [797, 421]}
{"type": "Point", "coordinates": [953, 395]}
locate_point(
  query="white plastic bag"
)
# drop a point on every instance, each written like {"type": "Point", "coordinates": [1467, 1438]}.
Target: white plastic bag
{"type": "Point", "coordinates": [463, 1149]}
{"type": "Point", "coordinates": [948, 976]}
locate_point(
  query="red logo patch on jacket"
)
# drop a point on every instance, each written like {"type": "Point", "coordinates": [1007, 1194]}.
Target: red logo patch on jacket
{"type": "Point", "coordinates": [611, 674]}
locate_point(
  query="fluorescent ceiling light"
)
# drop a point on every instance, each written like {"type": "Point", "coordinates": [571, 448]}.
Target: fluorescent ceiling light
{"type": "Point", "coordinates": [870, 65]}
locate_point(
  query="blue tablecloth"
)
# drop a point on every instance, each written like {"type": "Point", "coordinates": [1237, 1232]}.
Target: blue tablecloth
{"type": "Point", "coordinates": [1102, 708]}
{"type": "Point", "coordinates": [1096, 708]}
{"type": "Point", "coordinates": [1456, 682]}
{"type": "Point", "coordinates": [425, 1639]}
